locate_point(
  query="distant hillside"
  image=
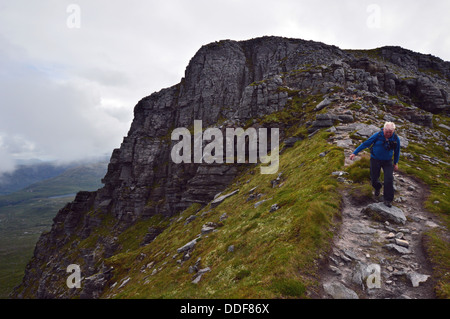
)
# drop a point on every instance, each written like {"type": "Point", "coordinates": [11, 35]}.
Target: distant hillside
{"type": "Point", "coordinates": [25, 214]}
{"type": "Point", "coordinates": [26, 175]}
{"type": "Point", "coordinates": [69, 181]}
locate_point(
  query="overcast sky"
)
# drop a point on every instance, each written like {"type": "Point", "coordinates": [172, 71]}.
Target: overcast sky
{"type": "Point", "coordinates": [71, 72]}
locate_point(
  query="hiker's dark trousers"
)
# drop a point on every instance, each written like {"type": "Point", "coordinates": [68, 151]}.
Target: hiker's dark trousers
{"type": "Point", "coordinates": [388, 170]}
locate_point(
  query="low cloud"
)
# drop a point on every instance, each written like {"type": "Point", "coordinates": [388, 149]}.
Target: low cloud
{"type": "Point", "coordinates": [7, 164]}
{"type": "Point", "coordinates": [45, 114]}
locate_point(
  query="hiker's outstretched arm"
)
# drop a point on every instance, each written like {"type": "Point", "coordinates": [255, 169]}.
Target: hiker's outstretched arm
{"type": "Point", "coordinates": [366, 144]}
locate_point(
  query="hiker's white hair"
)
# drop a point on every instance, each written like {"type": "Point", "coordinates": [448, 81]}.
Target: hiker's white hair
{"type": "Point", "coordinates": [389, 125]}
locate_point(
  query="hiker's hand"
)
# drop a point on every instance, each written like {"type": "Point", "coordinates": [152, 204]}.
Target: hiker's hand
{"type": "Point", "coordinates": [395, 167]}
{"type": "Point", "coordinates": [352, 157]}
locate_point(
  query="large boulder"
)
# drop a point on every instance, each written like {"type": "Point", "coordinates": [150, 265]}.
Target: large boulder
{"type": "Point", "coordinates": [379, 210]}
{"type": "Point", "coordinates": [337, 290]}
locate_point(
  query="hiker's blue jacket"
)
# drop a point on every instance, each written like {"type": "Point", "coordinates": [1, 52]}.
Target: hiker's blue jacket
{"type": "Point", "coordinates": [380, 149]}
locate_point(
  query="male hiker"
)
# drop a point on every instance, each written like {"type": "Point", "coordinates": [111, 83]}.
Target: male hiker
{"type": "Point", "coordinates": [383, 145]}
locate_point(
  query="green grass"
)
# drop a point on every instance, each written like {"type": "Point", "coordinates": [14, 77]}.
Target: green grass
{"type": "Point", "coordinates": [296, 109]}
{"type": "Point", "coordinates": [438, 249]}
{"type": "Point", "coordinates": [275, 254]}
{"type": "Point", "coordinates": [359, 171]}
{"type": "Point", "coordinates": [289, 287]}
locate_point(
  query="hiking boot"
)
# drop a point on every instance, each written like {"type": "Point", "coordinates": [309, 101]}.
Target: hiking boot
{"type": "Point", "coordinates": [388, 204]}
{"type": "Point", "coordinates": [377, 192]}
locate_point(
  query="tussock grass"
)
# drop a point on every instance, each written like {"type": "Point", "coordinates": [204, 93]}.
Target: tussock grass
{"type": "Point", "coordinates": [359, 171]}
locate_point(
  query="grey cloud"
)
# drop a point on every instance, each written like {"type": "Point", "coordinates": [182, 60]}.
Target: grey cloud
{"type": "Point", "coordinates": [6, 162]}
{"type": "Point", "coordinates": [107, 77]}
{"type": "Point", "coordinates": [60, 118]}
{"type": "Point", "coordinates": [71, 92]}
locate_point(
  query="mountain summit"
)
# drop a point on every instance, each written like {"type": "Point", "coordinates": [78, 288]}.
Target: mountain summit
{"type": "Point", "coordinates": [160, 229]}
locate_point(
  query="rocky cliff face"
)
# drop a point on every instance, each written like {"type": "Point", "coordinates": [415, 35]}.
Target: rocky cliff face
{"type": "Point", "coordinates": [226, 84]}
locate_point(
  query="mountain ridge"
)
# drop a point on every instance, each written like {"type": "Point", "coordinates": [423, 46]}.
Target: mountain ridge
{"type": "Point", "coordinates": [262, 82]}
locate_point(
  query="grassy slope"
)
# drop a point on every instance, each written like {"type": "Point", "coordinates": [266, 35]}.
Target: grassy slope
{"type": "Point", "coordinates": [275, 253]}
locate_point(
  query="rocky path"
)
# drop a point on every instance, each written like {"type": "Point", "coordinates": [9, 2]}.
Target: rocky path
{"type": "Point", "coordinates": [377, 252]}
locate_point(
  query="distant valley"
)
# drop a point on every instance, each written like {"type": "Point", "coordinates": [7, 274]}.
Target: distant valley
{"type": "Point", "coordinates": [26, 213]}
